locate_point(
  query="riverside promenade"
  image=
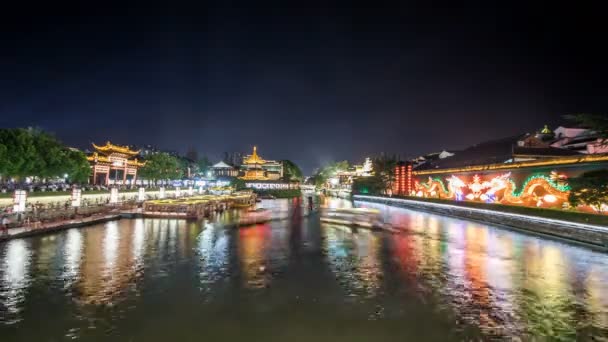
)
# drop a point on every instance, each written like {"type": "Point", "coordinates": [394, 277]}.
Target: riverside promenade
{"type": "Point", "coordinates": [595, 236]}
{"type": "Point", "coordinates": [42, 228]}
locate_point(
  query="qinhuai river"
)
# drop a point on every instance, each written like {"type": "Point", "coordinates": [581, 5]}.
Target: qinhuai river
{"type": "Point", "coordinates": [442, 279]}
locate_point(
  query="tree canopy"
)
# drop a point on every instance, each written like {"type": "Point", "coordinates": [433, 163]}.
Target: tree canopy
{"type": "Point", "coordinates": [325, 173]}
{"type": "Point", "coordinates": [291, 171]}
{"type": "Point", "coordinates": [29, 152]}
{"type": "Point", "coordinates": [161, 166]}
{"type": "Point", "coordinates": [384, 169]}
{"type": "Point", "coordinates": [204, 164]}
{"type": "Point", "coordinates": [591, 188]}
{"type": "Point", "coordinates": [372, 185]}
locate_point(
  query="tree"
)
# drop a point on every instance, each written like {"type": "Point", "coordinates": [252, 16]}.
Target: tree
{"type": "Point", "coordinates": [192, 154]}
{"type": "Point", "coordinates": [384, 168]}
{"type": "Point", "coordinates": [20, 158]}
{"type": "Point", "coordinates": [204, 165]}
{"type": "Point", "coordinates": [330, 170]}
{"type": "Point", "coordinates": [237, 183]}
{"type": "Point", "coordinates": [372, 185]}
{"type": "Point", "coordinates": [161, 166]}
{"type": "Point", "coordinates": [291, 171]}
{"type": "Point", "coordinates": [78, 168]}
{"type": "Point", "coordinates": [29, 152]}
{"type": "Point", "coordinates": [591, 188]}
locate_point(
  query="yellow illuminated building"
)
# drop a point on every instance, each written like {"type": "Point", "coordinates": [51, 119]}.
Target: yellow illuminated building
{"type": "Point", "coordinates": [256, 168]}
{"type": "Point", "coordinates": [113, 164]}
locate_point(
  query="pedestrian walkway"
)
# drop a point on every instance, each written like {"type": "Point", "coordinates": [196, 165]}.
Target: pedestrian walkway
{"type": "Point", "coordinates": [41, 228]}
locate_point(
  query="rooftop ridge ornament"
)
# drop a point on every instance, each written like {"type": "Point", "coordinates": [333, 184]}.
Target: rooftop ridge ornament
{"type": "Point", "coordinates": [254, 158]}
{"type": "Point", "coordinates": [109, 147]}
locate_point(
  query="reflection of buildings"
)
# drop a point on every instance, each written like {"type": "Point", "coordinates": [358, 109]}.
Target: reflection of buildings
{"type": "Point", "coordinates": [252, 247]}
{"type": "Point", "coordinates": [256, 168]}
{"type": "Point", "coordinates": [109, 265]}
{"type": "Point", "coordinates": [113, 164]}
{"type": "Point", "coordinates": [355, 259]}
{"type": "Point", "coordinates": [15, 275]}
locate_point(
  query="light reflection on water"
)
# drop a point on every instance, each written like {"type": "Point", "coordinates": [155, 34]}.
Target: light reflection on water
{"type": "Point", "coordinates": [159, 279]}
{"type": "Point", "coordinates": [506, 283]}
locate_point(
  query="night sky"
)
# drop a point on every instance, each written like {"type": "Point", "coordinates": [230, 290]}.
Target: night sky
{"type": "Point", "coordinates": [311, 84]}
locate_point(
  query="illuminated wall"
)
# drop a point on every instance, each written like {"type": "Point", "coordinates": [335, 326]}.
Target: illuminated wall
{"type": "Point", "coordinates": [544, 187]}
{"type": "Point", "coordinates": [403, 179]}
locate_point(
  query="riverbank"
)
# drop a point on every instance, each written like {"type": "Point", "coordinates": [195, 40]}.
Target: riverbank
{"type": "Point", "coordinates": [93, 196]}
{"type": "Point", "coordinates": [21, 232]}
{"type": "Point", "coordinates": [584, 233]}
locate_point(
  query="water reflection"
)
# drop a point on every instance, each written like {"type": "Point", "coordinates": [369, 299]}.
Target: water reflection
{"type": "Point", "coordinates": [353, 255]}
{"type": "Point", "coordinates": [455, 276]}
{"type": "Point", "coordinates": [506, 283]}
{"type": "Point", "coordinates": [212, 250]}
{"type": "Point", "coordinates": [15, 278]}
{"type": "Point", "coordinates": [72, 255]}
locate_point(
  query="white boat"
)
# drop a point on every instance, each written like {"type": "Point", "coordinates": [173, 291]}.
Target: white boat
{"type": "Point", "coordinates": [251, 217]}
{"type": "Point", "coordinates": [361, 217]}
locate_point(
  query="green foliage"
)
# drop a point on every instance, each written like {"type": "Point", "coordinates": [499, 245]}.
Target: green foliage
{"type": "Point", "coordinates": [373, 185]}
{"type": "Point", "coordinates": [591, 188]}
{"type": "Point", "coordinates": [79, 167]}
{"type": "Point", "coordinates": [161, 166]}
{"type": "Point", "coordinates": [291, 171]}
{"type": "Point", "coordinates": [238, 183]}
{"type": "Point", "coordinates": [204, 165]}
{"type": "Point", "coordinates": [384, 168]}
{"type": "Point", "coordinates": [328, 171]}
{"type": "Point", "coordinates": [34, 153]}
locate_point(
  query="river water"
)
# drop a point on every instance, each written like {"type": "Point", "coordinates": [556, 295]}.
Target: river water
{"type": "Point", "coordinates": [296, 279]}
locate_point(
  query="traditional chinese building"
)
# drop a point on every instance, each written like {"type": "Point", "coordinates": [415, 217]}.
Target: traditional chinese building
{"type": "Point", "coordinates": [113, 164]}
{"type": "Point", "coordinates": [256, 168]}
{"type": "Point", "coordinates": [223, 169]}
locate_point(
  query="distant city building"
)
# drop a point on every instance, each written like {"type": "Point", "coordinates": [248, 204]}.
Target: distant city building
{"type": "Point", "coordinates": [146, 150]}
{"type": "Point", "coordinates": [256, 168]}
{"type": "Point", "coordinates": [346, 177]}
{"type": "Point", "coordinates": [114, 164]}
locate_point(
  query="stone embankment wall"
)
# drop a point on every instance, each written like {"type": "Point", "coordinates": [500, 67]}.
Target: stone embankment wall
{"type": "Point", "coordinates": [596, 236]}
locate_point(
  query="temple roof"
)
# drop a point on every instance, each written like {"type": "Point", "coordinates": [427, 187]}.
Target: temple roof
{"type": "Point", "coordinates": [494, 151]}
{"type": "Point", "coordinates": [222, 165]}
{"type": "Point", "coordinates": [254, 158]}
{"type": "Point", "coordinates": [103, 159]}
{"type": "Point", "coordinates": [111, 148]}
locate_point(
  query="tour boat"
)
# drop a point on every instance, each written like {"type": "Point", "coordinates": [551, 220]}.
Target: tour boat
{"type": "Point", "coordinates": [251, 217]}
{"type": "Point", "coordinates": [361, 217]}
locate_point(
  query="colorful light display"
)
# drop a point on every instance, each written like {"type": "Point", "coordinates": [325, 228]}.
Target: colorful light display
{"type": "Point", "coordinates": [403, 179]}
{"type": "Point", "coordinates": [539, 189]}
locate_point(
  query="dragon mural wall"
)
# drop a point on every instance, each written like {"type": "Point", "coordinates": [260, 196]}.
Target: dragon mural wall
{"type": "Point", "coordinates": [547, 190]}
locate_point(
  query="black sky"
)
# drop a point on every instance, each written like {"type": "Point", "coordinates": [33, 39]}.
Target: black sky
{"type": "Point", "coordinates": [312, 84]}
